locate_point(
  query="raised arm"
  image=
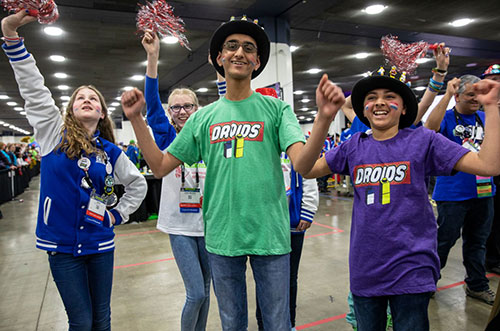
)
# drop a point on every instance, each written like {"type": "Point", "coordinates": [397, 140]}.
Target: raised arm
{"type": "Point", "coordinates": [442, 56]}
{"type": "Point", "coordinates": [329, 99]}
{"type": "Point", "coordinates": [41, 111]}
{"type": "Point", "coordinates": [487, 161]}
{"type": "Point", "coordinates": [161, 164]}
{"type": "Point", "coordinates": [348, 110]}
{"type": "Point", "coordinates": [163, 132]}
{"type": "Point", "coordinates": [436, 116]}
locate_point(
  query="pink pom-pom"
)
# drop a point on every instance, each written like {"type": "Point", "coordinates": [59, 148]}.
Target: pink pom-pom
{"type": "Point", "coordinates": [403, 56]}
{"type": "Point", "coordinates": [45, 10]}
{"type": "Point", "coordinates": [159, 17]}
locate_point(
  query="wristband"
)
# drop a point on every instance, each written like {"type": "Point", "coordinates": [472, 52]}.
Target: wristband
{"type": "Point", "coordinates": [440, 72]}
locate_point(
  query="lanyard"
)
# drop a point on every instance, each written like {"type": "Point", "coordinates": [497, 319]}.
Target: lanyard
{"type": "Point", "coordinates": [458, 119]}
{"type": "Point", "coordinates": [183, 176]}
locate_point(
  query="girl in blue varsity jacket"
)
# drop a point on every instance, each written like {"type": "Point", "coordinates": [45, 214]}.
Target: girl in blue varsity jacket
{"type": "Point", "coordinates": [80, 165]}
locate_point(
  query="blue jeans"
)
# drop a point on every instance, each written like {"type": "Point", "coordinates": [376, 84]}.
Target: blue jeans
{"type": "Point", "coordinates": [474, 217]}
{"type": "Point", "coordinates": [271, 274]}
{"type": "Point", "coordinates": [192, 261]}
{"type": "Point", "coordinates": [297, 242]}
{"type": "Point", "coordinates": [84, 283]}
{"type": "Point", "coordinates": [409, 312]}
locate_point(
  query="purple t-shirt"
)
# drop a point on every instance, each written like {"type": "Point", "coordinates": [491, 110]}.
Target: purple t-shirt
{"type": "Point", "coordinates": [394, 233]}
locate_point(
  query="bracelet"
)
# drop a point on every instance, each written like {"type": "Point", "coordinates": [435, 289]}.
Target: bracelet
{"type": "Point", "coordinates": [440, 84]}
{"type": "Point", "coordinates": [434, 88]}
{"type": "Point", "coordinates": [12, 40]}
{"type": "Point", "coordinates": [439, 72]}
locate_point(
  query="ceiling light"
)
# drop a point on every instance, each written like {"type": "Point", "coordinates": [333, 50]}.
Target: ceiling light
{"type": "Point", "coordinates": [469, 65]}
{"type": "Point", "coordinates": [11, 103]}
{"type": "Point", "coordinates": [423, 60]}
{"type": "Point", "coordinates": [313, 71]}
{"type": "Point", "coordinates": [118, 98]}
{"type": "Point", "coordinates": [65, 98]}
{"type": "Point", "coordinates": [374, 9]}
{"type": "Point", "coordinates": [115, 104]}
{"type": "Point", "coordinates": [361, 55]}
{"type": "Point", "coordinates": [301, 117]}
{"type": "Point", "coordinates": [202, 90]}
{"type": "Point", "coordinates": [314, 112]}
{"type": "Point", "coordinates": [298, 92]}
{"type": "Point", "coordinates": [137, 77]}
{"type": "Point", "coordinates": [420, 88]}
{"type": "Point", "coordinates": [304, 108]}
{"type": "Point", "coordinates": [3, 97]}
{"type": "Point", "coordinates": [294, 48]}
{"type": "Point", "coordinates": [461, 22]}
{"type": "Point", "coordinates": [57, 58]}
{"type": "Point", "coordinates": [11, 126]}
{"type": "Point", "coordinates": [61, 75]}
{"type": "Point", "coordinates": [305, 100]}
{"type": "Point", "coordinates": [65, 104]}
{"type": "Point", "coordinates": [23, 113]}
{"type": "Point", "coordinates": [366, 74]}
{"type": "Point", "coordinates": [111, 108]}
{"type": "Point", "coordinates": [63, 87]}
{"type": "Point", "coordinates": [18, 108]}
{"type": "Point", "coordinates": [128, 88]}
{"type": "Point", "coordinates": [5, 124]}
{"type": "Point", "coordinates": [53, 31]}
{"type": "Point", "coordinates": [2, 122]}
{"type": "Point", "coordinates": [170, 40]}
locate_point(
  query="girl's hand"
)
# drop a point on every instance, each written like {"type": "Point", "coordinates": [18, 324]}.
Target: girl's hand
{"type": "Point", "coordinates": [151, 43]}
{"type": "Point", "coordinates": [11, 23]}
{"type": "Point", "coordinates": [133, 103]}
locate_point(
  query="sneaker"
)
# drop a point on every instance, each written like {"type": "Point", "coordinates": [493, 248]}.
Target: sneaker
{"type": "Point", "coordinates": [494, 269]}
{"type": "Point", "coordinates": [487, 296]}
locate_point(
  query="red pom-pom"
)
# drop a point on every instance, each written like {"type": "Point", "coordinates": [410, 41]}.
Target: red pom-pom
{"type": "Point", "coordinates": [403, 56]}
{"type": "Point", "coordinates": [45, 10]}
{"type": "Point", "coordinates": [159, 17]}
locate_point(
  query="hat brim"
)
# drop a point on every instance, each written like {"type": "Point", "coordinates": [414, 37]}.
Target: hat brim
{"type": "Point", "coordinates": [371, 83]}
{"type": "Point", "coordinates": [243, 27]}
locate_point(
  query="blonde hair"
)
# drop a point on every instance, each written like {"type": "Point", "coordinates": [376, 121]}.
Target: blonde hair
{"type": "Point", "coordinates": [182, 91]}
{"type": "Point", "coordinates": [75, 137]}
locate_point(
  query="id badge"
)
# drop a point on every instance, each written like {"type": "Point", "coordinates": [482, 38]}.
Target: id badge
{"type": "Point", "coordinates": [95, 210]}
{"type": "Point", "coordinates": [190, 200]}
{"type": "Point", "coordinates": [484, 188]}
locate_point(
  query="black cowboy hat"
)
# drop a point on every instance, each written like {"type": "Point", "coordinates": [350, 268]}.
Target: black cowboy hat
{"type": "Point", "coordinates": [391, 81]}
{"type": "Point", "coordinates": [244, 26]}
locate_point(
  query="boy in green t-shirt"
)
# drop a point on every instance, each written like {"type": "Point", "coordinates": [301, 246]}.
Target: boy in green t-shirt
{"type": "Point", "coordinates": [240, 138]}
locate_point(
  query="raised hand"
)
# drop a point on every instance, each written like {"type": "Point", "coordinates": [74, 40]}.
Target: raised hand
{"type": "Point", "coordinates": [11, 23]}
{"type": "Point", "coordinates": [151, 43]}
{"type": "Point", "coordinates": [329, 98]}
{"type": "Point", "coordinates": [487, 92]}
{"type": "Point", "coordinates": [442, 56]}
{"type": "Point", "coordinates": [133, 103]}
{"type": "Point", "coordinates": [453, 85]}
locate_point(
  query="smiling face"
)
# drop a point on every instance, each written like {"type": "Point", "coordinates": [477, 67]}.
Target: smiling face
{"type": "Point", "coordinates": [467, 101]}
{"type": "Point", "coordinates": [383, 109]}
{"type": "Point", "coordinates": [87, 106]}
{"type": "Point", "coordinates": [238, 64]}
{"type": "Point", "coordinates": [177, 104]}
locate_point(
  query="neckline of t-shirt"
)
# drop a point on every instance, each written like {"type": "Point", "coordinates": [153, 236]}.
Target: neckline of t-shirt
{"type": "Point", "coordinates": [390, 139]}
{"type": "Point", "coordinates": [240, 101]}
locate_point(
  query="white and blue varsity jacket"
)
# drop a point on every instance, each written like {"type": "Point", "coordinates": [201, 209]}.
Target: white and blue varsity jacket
{"type": "Point", "coordinates": [61, 225]}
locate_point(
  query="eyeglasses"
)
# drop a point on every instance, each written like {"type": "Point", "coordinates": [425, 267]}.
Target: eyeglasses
{"type": "Point", "coordinates": [234, 45]}
{"type": "Point", "coordinates": [187, 107]}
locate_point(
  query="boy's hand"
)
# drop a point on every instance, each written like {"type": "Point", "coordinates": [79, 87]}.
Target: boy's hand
{"type": "Point", "coordinates": [487, 92]}
{"type": "Point", "coordinates": [11, 23]}
{"type": "Point", "coordinates": [329, 98]}
{"type": "Point", "coordinates": [453, 85]}
{"type": "Point", "coordinates": [133, 103]}
{"type": "Point", "coordinates": [151, 43]}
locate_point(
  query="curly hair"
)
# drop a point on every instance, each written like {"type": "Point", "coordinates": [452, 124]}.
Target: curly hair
{"type": "Point", "coordinates": [75, 137]}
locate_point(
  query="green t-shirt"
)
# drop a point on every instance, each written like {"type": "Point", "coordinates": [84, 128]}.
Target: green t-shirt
{"type": "Point", "coordinates": [244, 204]}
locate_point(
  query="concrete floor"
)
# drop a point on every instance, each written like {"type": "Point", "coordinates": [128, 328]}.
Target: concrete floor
{"type": "Point", "coordinates": [148, 293]}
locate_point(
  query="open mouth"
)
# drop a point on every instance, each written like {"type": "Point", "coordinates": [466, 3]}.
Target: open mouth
{"type": "Point", "coordinates": [380, 112]}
